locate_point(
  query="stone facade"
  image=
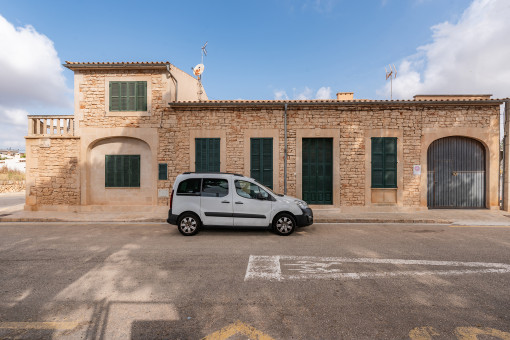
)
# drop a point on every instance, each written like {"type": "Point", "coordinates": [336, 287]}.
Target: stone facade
{"type": "Point", "coordinates": [53, 172]}
{"type": "Point", "coordinates": [66, 170]}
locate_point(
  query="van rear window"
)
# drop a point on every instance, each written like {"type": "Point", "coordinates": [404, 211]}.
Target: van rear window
{"type": "Point", "coordinates": [189, 187]}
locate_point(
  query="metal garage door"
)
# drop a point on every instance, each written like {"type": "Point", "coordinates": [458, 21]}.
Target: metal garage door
{"type": "Point", "coordinates": [318, 170]}
{"type": "Point", "coordinates": [456, 173]}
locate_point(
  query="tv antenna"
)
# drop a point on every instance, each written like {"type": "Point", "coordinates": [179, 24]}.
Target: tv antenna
{"type": "Point", "coordinates": [390, 75]}
{"type": "Point", "coordinates": [198, 70]}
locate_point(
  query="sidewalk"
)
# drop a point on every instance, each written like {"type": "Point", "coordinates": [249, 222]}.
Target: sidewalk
{"type": "Point", "coordinates": [15, 213]}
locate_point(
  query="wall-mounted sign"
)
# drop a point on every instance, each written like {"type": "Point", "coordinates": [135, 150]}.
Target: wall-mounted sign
{"type": "Point", "coordinates": [416, 170]}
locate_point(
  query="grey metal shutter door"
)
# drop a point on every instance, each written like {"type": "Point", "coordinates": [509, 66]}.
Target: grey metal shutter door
{"type": "Point", "coordinates": [456, 173]}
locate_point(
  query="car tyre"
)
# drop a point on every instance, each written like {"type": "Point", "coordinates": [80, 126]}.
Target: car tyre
{"type": "Point", "coordinates": [188, 224]}
{"type": "Point", "coordinates": [284, 224]}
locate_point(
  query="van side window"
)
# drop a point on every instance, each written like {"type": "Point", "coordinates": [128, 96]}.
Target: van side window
{"type": "Point", "coordinates": [189, 187]}
{"type": "Point", "coordinates": [214, 187]}
{"type": "Point", "coordinates": [249, 190]}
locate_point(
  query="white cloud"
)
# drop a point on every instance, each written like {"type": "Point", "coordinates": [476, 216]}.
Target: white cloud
{"type": "Point", "coordinates": [280, 95]}
{"type": "Point", "coordinates": [323, 93]}
{"type": "Point", "coordinates": [31, 76]}
{"type": "Point", "coordinates": [469, 56]}
{"type": "Point", "coordinates": [305, 94]}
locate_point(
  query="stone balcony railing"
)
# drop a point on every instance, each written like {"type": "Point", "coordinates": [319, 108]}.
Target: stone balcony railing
{"type": "Point", "coordinates": [45, 126]}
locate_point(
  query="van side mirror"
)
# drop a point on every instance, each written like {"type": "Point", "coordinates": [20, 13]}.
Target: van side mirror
{"type": "Point", "coordinates": [260, 196]}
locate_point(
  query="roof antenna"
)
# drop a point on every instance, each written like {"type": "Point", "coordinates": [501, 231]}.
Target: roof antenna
{"type": "Point", "coordinates": [392, 74]}
{"type": "Point", "coordinates": [198, 70]}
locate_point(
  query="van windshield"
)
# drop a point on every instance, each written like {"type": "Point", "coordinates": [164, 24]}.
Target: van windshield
{"type": "Point", "coordinates": [266, 188]}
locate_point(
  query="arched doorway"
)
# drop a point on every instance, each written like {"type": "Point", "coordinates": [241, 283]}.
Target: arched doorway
{"type": "Point", "coordinates": [456, 173]}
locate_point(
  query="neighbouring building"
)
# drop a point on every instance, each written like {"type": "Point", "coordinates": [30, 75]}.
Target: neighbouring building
{"type": "Point", "coordinates": [136, 126]}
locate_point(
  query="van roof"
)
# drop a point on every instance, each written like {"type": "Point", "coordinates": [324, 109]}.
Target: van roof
{"type": "Point", "coordinates": [211, 173]}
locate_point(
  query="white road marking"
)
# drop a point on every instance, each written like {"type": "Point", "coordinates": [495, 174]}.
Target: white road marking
{"type": "Point", "coordinates": [312, 267]}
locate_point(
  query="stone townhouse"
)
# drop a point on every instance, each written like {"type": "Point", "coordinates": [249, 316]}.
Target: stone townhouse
{"type": "Point", "coordinates": [136, 126]}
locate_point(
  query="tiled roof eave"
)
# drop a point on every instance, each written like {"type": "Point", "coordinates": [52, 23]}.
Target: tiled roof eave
{"type": "Point", "coordinates": [358, 102]}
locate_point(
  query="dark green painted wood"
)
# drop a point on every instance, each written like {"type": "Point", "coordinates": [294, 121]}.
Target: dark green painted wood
{"type": "Point", "coordinates": [162, 171]}
{"type": "Point", "coordinates": [384, 162]}
{"type": "Point", "coordinates": [261, 160]}
{"type": "Point", "coordinates": [317, 170]}
{"type": "Point", "coordinates": [128, 96]}
{"type": "Point", "coordinates": [207, 154]}
{"type": "Point", "coordinates": [122, 171]}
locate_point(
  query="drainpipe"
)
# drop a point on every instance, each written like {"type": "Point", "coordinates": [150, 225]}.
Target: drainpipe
{"type": "Point", "coordinates": [174, 80]}
{"type": "Point", "coordinates": [285, 151]}
{"type": "Point", "coordinates": [506, 158]}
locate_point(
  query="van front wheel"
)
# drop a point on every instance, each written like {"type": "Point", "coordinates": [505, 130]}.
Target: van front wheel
{"type": "Point", "coordinates": [284, 224]}
{"type": "Point", "coordinates": [188, 224]}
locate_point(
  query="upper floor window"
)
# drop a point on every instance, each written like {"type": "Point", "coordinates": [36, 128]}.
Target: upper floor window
{"type": "Point", "coordinates": [128, 96]}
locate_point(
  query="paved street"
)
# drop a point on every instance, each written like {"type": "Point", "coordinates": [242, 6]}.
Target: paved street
{"type": "Point", "coordinates": [327, 281]}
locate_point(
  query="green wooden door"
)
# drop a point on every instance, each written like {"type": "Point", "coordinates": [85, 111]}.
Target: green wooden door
{"type": "Point", "coordinates": [207, 154]}
{"type": "Point", "coordinates": [261, 160]}
{"type": "Point", "coordinates": [318, 170]}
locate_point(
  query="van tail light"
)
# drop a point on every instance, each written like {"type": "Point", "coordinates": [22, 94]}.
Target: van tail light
{"type": "Point", "coordinates": [171, 199]}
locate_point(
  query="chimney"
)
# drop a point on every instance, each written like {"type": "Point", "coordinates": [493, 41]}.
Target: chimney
{"type": "Point", "coordinates": [345, 96]}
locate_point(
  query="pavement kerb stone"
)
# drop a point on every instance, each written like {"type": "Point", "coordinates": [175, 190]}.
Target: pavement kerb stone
{"type": "Point", "coordinates": [158, 220]}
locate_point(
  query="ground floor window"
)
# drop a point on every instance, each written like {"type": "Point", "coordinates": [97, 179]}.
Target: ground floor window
{"type": "Point", "coordinates": [122, 171]}
{"type": "Point", "coordinates": [207, 154]}
{"type": "Point", "coordinates": [384, 162]}
{"type": "Point", "coordinates": [261, 160]}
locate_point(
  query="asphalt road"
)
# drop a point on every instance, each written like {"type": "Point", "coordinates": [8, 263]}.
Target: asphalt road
{"type": "Point", "coordinates": [146, 281]}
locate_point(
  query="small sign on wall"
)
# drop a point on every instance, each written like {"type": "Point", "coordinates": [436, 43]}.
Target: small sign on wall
{"type": "Point", "coordinates": [416, 170]}
{"type": "Point", "coordinates": [163, 193]}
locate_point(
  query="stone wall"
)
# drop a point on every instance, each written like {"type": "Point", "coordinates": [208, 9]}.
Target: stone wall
{"type": "Point", "coordinates": [11, 186]}
{"type": "Point", "coordinates": [53, 174]}
{"type": "Point", "coordinates": [352, 121]}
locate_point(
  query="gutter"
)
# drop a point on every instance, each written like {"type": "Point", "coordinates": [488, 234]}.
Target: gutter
{"type": "Point", "coordinates": [338, 103]}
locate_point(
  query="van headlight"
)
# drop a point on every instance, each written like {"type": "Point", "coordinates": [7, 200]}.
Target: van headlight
{"type": "Point", "coordinates": [301, 204]}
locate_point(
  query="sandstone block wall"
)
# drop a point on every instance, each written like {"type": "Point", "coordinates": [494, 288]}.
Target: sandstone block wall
{"type": "Point", "coordinates": [53, 174]}
{"type": "Point", "coordinates": [352, 121]}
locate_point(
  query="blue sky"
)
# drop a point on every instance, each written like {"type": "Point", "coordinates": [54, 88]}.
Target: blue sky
{"type": "Point", "coordinates": [260, 49]}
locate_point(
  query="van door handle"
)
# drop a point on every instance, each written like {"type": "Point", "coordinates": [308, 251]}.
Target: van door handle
{"type": "Point", "coordinates": [225, 201]}
{"type": "Point", "coordinates": [239, 202]}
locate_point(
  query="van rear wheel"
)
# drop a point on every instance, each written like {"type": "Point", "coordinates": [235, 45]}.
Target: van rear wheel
{"type": "Point", "coordinates": [188, 224]}
{"type": "Point", "coordinates": [284, 224]}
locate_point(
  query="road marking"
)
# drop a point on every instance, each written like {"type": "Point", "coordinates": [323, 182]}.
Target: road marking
{"type": "Point", "coordinates": [423, 333]}
{"type": "Point", "coordinates": [480, 226]}
{"type": "Point", "coordinates": [281, 267]}
{"type": "Point", "coordinates": [39, 325]}
{"type": "Point", "coordinates": [471, 333]}
{"type": "Point", "coordinates": [238, 327]}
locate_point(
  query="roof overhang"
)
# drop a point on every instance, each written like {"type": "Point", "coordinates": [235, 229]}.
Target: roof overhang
{"type": "Point", "coordinates": [333, 103]}
{"type": "Point", "coordinates": [115, 65]}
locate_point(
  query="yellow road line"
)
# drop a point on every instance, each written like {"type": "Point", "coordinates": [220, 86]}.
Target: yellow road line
{"type": "Point", "coordinates": [39, 325]}
{"type": "Point", "coordinates": [480, 226]}
{"type": "Point", "coordinates": [235, 328]}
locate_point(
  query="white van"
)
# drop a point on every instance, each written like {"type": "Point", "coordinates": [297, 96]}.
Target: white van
{"type": "Point", "coordinates": [224, 199]}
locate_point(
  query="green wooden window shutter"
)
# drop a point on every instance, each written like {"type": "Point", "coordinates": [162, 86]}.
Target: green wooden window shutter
{"type": "Point", "coordinates": [128, 96]}
{"type": "Point", "coordinates": [122, 171]}
{"type": "Point", "coordinates": [163, 171]}
{"type": "Point", "coordinates": [207, 154]}
{"type": "Point", "coordinates": [261, 160]}
{"type": "Point", "coordinates": [384, 162]}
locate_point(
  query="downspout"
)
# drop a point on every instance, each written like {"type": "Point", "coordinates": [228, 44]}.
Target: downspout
{"type": "Point", "coordinates": [285, 151]}
{"type": "Point", "coordinates": [506, 148]}
{"type": "Point", "coordinates": [174, 80]}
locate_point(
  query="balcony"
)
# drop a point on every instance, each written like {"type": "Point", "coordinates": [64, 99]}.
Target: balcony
{"type": "Point", "coordinates": [47, 126]}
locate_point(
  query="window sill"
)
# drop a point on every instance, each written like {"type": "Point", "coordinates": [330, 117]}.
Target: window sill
{"type": "Point", "coordinates": [128, 113]}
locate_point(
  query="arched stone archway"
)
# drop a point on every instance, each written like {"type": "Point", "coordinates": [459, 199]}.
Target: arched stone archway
{"type": "Point", "coordinates": [456, 173]}
{"type": "Point", "coordinates": [100, 192]}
